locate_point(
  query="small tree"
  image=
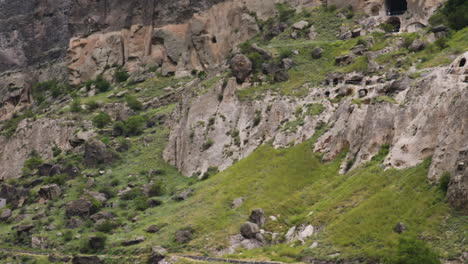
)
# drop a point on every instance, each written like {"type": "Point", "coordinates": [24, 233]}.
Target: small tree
{"type": "Point", "coordinates": [133, 103]}
{"type": "Point", "coordinates": [135, 125]}
{"type": "Point", "coordinates": [121, 75]}
{"type": "Point", "coordinates": [101, 120]}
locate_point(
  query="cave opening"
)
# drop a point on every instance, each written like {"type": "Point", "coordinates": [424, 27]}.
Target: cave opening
{"type": "Point", "coordinates": [396, 7]}
{"type": "Point", "coordinates": [462, 62]}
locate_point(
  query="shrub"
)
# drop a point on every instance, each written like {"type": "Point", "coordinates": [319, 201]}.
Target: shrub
{"type": "Point", "coordinates": [456, 13]}
{"type": "Point", "coordinates": [75, 106]}
{"type": "Point", "coordinates": [86, 248]}
{"type": "Point", "coordinates": [444, 182]}
{"type": "Point", "coordinates": [156, 189]}
{"type": "Point", "coordinates": [133, 103]}
{"type": "Point", "coordinates": [102, 85]}
{"type": "Point", "coordinates": [285, 12]}
{"type": "Point", "coordinates": [58, 179]}
{"type": "Point", "coordinates": [10, 126]}
{"type": "Point", "coordinates": [414, 251]}
{"type": "Point", "coordinates": [67, 235]}
{"type": "Point", "coordinates": [52, 87]}
{"type": "Point", "coordinates": [32, 162]}
{"type": "Point", "coordinates": [209, 142]}
{"type": "Point", "coordinates": [141, 203]}
{"type": "Point", "coordinates": [107, 226]}
{"type": "Point", "coordinates": [101, 120]}
{"type": "Point", "coordinates": [387, 27]}
{"type": "Point", "coordinates": [92, 105]}
{"type": "Point", "coordinates": [121, 75]}
{"type": "Point", "coordinates": [135, 125]}
{"type": "Point", "coordinates": [210, 172]}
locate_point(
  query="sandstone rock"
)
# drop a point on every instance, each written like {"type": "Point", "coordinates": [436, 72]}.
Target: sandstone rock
{"type": "Point", "coordinates": [287, 64]}
{"type": "Point", "coordinates": [184, 236]}
{"type": "Point", "coordinates": [281, 76]}
{"type": "Point", "coordinates": [86, 260]}
{"type": "Point", "coordinates": [300, 233]}
{"type": "Point", "coordinates": [5, 215]}
{"type": "Point", "coordinates": [50, 192]}
{"type": "Point", "coordinates": [79, 207]}
{"type": "Point", "coordinates": [101, 215]}
{"type": "Point", "coordinates": [237, 202]}
{"type": "Point", "coordinates": [266, 55]}
{"type": "Point", "coordinates": [300, 25]}
{"type": "Point", "coordinates": [97, 196]}
{"type": "Point", "coordinates": [158, 253]}
{"type": "Point", "coordinates": [317, 53]}
{"type": "Point", "coordinates": [344, 60]}
{"type": "Point", "coordinates": [249, 230]}
{"type": "Point", "coordinates": [257, 216]}
{"type": "Point", "coordinates": [37, 242]}
{"type": "Point", "coordinates": [183, 195]}
{"type": "Point", "coordinates": [97, 153]}
{"type": "Point", "coordinates": [241, 67]}
{"type": "Point", "coordinates": [134, 241]}
{"type": "Point", "coordinates": [417, 45]}
{"type": "Point", "coordinates": [457, 193]}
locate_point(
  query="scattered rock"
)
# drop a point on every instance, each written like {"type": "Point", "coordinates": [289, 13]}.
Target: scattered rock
{"type": "Point", "coordinates": [281, 76]}
{"type": "Point", "coordinates": [312, 34]}
{"type": "Point", "coordinates": [96, 242]}
{"type": "Point", "coordinates": [399, 228]}
{"type": "Point", "coordinates": [74, 223]}
{"type": "Point", "coordinates": [300, 25]}
{"type": "Point", "coordinates": [417, 45]}
{"type": "Point", "coordinates": [344, 60]}
{"type": "Point", "coordinates": [86, 260]}
{"type": "Point", "coordinates": [249, 230]}
{"type": "Point", "coordinates": [96, 153]}
{"type": "Point", "coordinates": [97, 196]}
{"type": "Point", "coordinates": [134, 241]}
{"type": "Point", "coordinates": [362, 93]}
{"type": "Point", "coordinates": [79, 207]}
{"type": "Point", "coordinates": [158, 253]}
{"type": "Point", "coordinates": [257, 216]}
{"type": "Point", "coordinates": [49, 192]}
{"type": "Point", "coordinates": [287, 64]}
{"type": "Point", "coordinates": [44, 169]}
{"type": "Point", "coordinates": [183, 195]}
{"type": "Point", "coordinates": [38, 242]}
{"type": "Point", "coordinates": [101, 216]}
{"type": "Point", "coordinates": [300, 233]}
{"type": "Point", "coordinates": [154, 228]}
{"type": "Point", "coordinates": [241, 67]}
{"type": "Point", "coordinates": [266, 55]}
{"type": "Point", "coordinates": [317, 53]}
{"type": "Point", "coordinates": [5, 214]}
{"type": "Point", "coordinates": [184, 235]}
{"type": "Point", "coordinates": [237, 202]}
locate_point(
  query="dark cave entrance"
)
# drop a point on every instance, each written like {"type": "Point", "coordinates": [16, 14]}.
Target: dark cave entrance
{"type": "Point", "coordinates": [395, 22]}
{"type": "Point", "coordinates": [396, 7]}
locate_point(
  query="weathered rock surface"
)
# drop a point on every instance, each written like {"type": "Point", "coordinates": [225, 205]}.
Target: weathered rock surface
{"type": "Point", "coordinates": [86, 260]}
{"type": "Point", "coordinates": [50, 192]}
{"type": "Point", "coordinates": [40, 135]}
{"type": "Point", "coordinates": [158, 253]}
{"type": "Point", "coordinates": [249, 230]}
{"type": "Point", "coordinates": [241, 67]}
{"type": "Point", "coordinates": [78, 208]}
{"type": "Point", "coordinates": [97, 153]}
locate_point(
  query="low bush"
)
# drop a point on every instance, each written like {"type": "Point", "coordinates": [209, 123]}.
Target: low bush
{"type": "Point", "coordinates": [444, 182]}
{"type": "Point", "coordinates": [121, 75]}
{"type": "Point", "coordinates": [101, 120]}
{"type": "Point", "coordinates": [414, 251]}
{"type": "Point", "coordinates": [133, 103]}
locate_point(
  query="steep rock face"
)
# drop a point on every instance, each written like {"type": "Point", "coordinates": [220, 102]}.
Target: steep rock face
{"type": "Point", "coordinates": [207, 132]}
{"type": "Point", "coordinates": [428, 119]}
{"type": "Point", "coordinates": [40, 135]}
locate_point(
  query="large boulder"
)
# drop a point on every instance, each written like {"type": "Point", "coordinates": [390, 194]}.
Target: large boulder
{"type": "Point", "coordinates": [300, 25]}
{"type": "Point", "coordinates": [344, 60]}
{"type": "Point", "coordinates": [257, 216]}
{"type": "Point", "coordinates": [49, 192]}
{"type": "Point", "coordinates": [96, 242]}
{"type": "Point", "coordinates": [79, 207]}
{"type": "Point", "coordinates": [457, 192]}
{"type": "Point", "coordinates": [249, 230]}
{"type": "Point", "coordinates": [97, 153]}
{"type": "Point", "coordinates": [241, 67]}
{"type": "Point", "coordinates": [281, 76]}
{"type": "Point", "coordinates": [158, 253]}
